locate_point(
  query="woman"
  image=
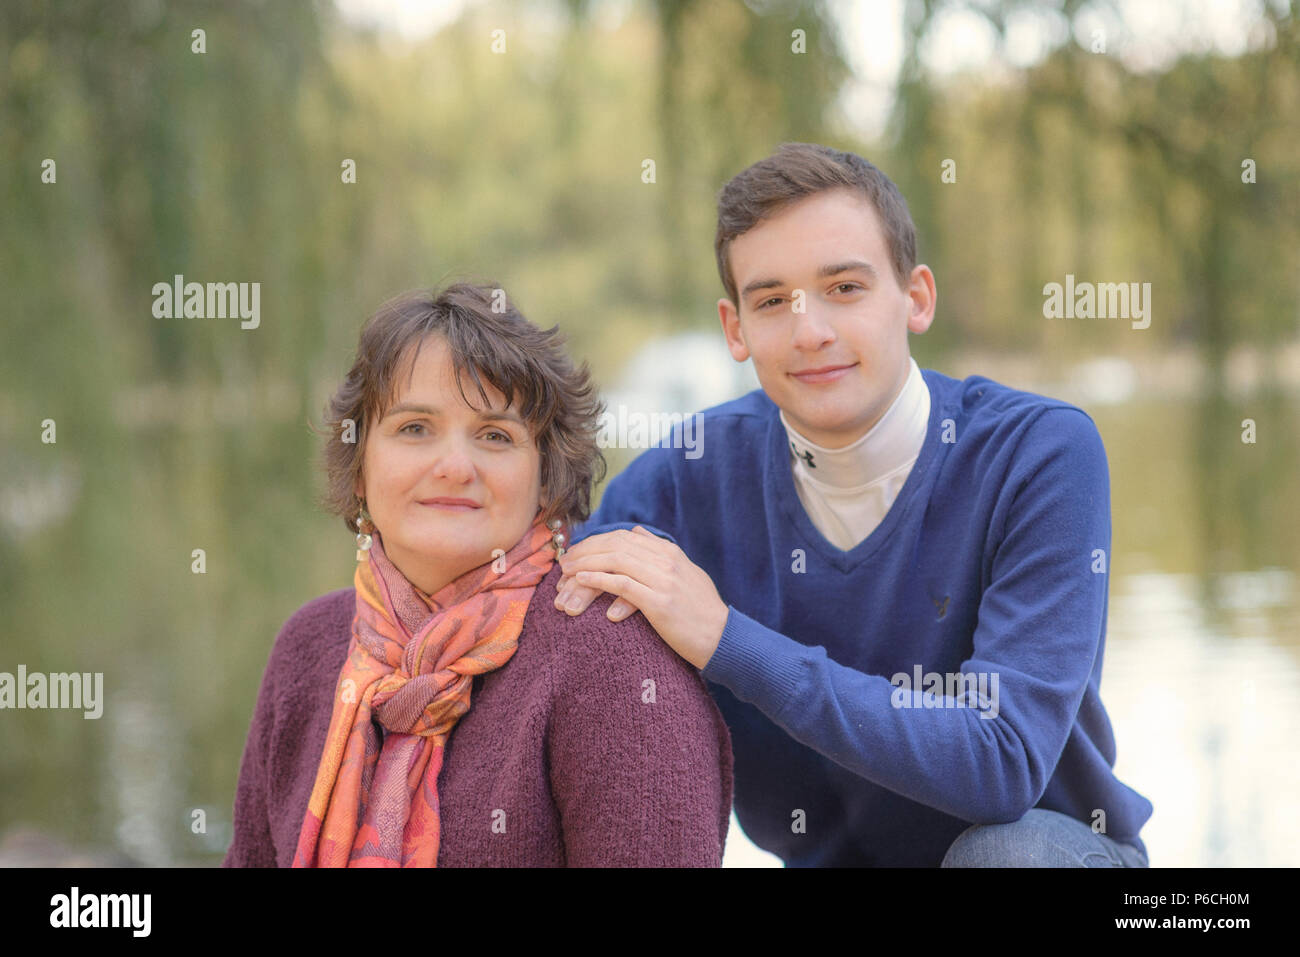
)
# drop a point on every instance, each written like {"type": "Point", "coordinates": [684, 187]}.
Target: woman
{"type": "Point", "coordinates": [442, 712]}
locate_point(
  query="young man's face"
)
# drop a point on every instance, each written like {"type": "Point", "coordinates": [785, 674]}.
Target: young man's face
{"type": "Point", "coordinates": [835, 367]}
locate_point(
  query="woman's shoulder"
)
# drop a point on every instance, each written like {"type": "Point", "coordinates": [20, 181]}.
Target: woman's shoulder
{"type": "Point", "coordinates": [639, 757]}
{"type": "Point", "coordinates": [593, 648]}
{"type": "Point", "coordinates": [322, 614]}
{"type": "Point", "coordinates": [318, 624]}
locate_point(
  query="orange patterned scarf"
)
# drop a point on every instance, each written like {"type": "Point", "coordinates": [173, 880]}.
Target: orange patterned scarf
{"type": "Point", "coordinates": [375, 800]}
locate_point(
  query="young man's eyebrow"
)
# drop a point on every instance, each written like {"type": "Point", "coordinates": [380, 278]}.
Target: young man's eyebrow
{"type": "Point", "coordinates": [825, 271]}
{"type": "Point", "coordinates": [488, 415]}
{"type": "Point", "coordinates": [848, 266]}
{"type": "Point", "coordinates": [758, 284]}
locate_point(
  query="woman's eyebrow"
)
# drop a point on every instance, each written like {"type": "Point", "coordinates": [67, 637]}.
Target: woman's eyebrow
{"type": "Point", "coordinates": [487, 415]}
{"type": "Point", "coordinates": [491, 416]}
{"type": "Point", "coordinates": [410, 407]}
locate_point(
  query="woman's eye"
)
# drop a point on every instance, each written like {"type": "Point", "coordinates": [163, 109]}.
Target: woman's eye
{"type": "Point", "coordinates": [498, 435]}
{"type": "Point", "coordinates": [411, 425]}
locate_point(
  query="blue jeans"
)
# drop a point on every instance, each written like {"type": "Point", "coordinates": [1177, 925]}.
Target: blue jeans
{"type": "Point", "coordinates": [1041, 838]}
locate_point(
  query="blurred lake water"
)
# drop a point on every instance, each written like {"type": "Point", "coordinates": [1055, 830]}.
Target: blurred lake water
{"type": "Point", "coordinates": [1201, 676]}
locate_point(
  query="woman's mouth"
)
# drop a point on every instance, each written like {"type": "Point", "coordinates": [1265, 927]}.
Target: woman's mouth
{"type": "Point", "coordinates": [823, 373]}
{"type": "Point", "coordinates": [451, 504]}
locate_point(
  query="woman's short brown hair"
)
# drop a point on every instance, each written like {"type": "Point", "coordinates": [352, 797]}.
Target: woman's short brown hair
{"type": "Point", "coordinates": [488, 339]}
{"type": "Point", "coordinates": [797, 170]}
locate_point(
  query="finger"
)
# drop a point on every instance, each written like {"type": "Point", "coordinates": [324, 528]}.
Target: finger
{"type": "Point", "coordinates": [606, 543]}
{"type": "Point", "coordinates": [592, 543]}
{"type": "Point", "coordinates": [620, 585]}
{"type": "Point", "coordinates": [635, 555]}
{"type": "Point", "coordinates": [578, 600]}
{"type": "Point", "coordinates": [619, 609]}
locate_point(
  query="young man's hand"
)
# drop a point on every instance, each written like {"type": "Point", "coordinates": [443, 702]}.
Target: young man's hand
{"type": "Point", "coordinates": [651, 575]}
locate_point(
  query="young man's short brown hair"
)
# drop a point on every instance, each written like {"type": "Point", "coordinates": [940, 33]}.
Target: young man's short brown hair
{"type": "Point", "coordinates": [488, 339]}
{"type": "Point", "coordinates": [797, 170]}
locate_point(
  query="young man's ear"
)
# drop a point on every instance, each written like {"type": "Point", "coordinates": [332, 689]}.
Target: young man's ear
{"type": "Point", "coordinates": [924, 296]}
{"type": "Point", "coordinates": [730, 317]}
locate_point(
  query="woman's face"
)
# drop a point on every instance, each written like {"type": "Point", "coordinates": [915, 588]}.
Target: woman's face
{"type": "Point", "coordinates": [444, 483]}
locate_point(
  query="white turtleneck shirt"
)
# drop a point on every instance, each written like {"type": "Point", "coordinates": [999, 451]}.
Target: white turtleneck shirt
{"type": "Point", "coordinates": [847, 492]}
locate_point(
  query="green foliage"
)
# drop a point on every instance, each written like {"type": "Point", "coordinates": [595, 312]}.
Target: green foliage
{"type": "Point", "coordinates": [523, 169]}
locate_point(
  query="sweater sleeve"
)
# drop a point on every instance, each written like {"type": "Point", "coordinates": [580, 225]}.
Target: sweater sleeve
{"type": "Point", "coordinates": [251, 844]}
{"type": "Point", "coordinates": [1040, 626]}
{"type": "Point", "coordinates": [640, 758]}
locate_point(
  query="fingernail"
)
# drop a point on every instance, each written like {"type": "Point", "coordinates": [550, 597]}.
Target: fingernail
{"type": "Point", "coordinates": [572, 605]}
{"type": "Point", "coordinates": [617, 614]}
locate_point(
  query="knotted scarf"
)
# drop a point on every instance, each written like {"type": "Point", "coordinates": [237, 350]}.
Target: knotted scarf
{"type": "Point", "coordinates": [400, 692]}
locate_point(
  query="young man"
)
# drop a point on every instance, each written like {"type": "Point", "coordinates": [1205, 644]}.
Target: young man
{"type": "Point", "coordinates": [894, 582]}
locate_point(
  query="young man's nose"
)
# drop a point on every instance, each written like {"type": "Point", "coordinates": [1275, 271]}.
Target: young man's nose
{"type": "Point", "coordinates": [812, 330]}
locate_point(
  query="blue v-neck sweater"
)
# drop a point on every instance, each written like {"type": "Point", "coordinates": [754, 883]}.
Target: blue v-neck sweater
{"type": "Point", "coordinates": [992, 563]}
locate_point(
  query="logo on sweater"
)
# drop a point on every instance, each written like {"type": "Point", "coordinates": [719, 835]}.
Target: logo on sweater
{"type": "Point", "coordinates": [806, 456]}
{"type": "Point", "coordinates": [962, 689]}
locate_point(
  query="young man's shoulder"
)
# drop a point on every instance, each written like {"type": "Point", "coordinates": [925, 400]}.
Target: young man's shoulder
{"type": "Point", "coordinates": [996, 409]}
{"type": "Point", "coordinates": [991, 429]}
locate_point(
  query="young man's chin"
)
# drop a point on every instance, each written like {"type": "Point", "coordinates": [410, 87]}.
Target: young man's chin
{"type": "Point", "coordinates": [827, 409]}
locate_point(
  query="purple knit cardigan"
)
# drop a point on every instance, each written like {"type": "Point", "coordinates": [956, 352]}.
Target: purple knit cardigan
{"type": "Point", "coordinates": [595, 745]}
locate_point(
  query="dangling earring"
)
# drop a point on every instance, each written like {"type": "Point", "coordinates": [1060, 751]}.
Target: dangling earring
{"type": "Point", "coordinates": [557, 539]}
{"type": "Point", "coordinates": [364, 527]}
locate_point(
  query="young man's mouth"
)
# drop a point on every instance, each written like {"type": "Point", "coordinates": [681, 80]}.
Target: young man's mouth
{"type": "Point", "coordinates": [823, 373]}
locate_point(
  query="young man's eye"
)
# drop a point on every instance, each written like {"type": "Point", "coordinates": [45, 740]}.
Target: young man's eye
{"type": "Point", "coordinates": [764, 303]}
{"type": "Point", "coordinates": [847, 285]}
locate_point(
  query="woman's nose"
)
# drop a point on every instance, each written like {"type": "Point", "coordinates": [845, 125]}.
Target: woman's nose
{"type": "Point", "coordinates": [454, 464]}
